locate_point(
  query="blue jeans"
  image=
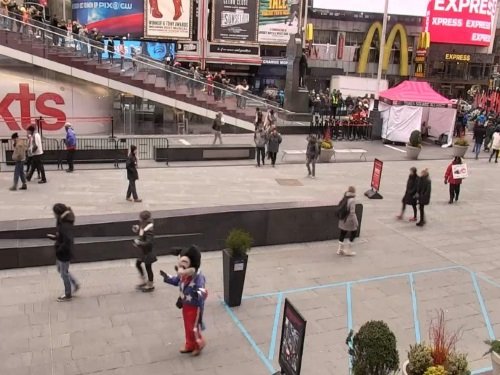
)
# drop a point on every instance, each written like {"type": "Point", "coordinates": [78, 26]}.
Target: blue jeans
{"type": "Point", "coordinates": [19, 173]}
{"type": "Point", "coordinates": [63, 269]}
{"type": "Point", "coordinates": [477, 149]}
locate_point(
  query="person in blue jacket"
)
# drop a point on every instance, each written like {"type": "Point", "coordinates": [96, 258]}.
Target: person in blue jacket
{"type": "Point", "coordinates": [70, 142]}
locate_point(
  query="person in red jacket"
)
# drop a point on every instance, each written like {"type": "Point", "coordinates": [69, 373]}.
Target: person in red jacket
{"type": "Point", "coordinates": [454, 183]}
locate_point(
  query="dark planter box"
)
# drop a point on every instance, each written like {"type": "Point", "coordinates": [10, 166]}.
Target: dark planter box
{"type": "Point", "coordinates": [81, 156]}
{"type": "Point", "coordinates": [234, 271]}
{"type": "Point", "coordinates": [205, 152]}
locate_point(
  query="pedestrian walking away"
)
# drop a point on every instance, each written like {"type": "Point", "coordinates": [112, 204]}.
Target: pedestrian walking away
{"type": "Point", "coordinates": [64, 243]}
{"type": "Point", "coordinates": [144, 242]}
{"type": "Point", "coordinates": [19, 157]}
{"type": "Point", "coordinates": [454, 182]}
{"type": "Point", "coordinates": [410, 197]}
{"type": "Point", "coordinates": [132, 175]}
{"type": "Point", "coordinates": [36, 149]}
{"type": "Point", "coordinates": [191, 283]}
{"type": "Point", "coordinates": [111, 50]}
{"type": "Point", "coordinates": [260, 139]}
{"type": "Point", "coordinates": [348, 221]}
{"type": "Point", "coordinates": [70, 143]}
{"type": "Point", "coordinates": [424, 194]}
{"type": "Point", "coordinates": [495, 145]}
{"type": "Point", "coordinates": [312, 154]}
{"type": "Point", "coordinates": [273, 145]}
{"type": "Point", "coordinates": [479, 136]}
{"type": "Point", "coordinates": [217, 127]}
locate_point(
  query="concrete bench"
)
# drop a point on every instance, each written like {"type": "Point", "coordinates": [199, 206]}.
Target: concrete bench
{"type": "Point", "coordinates": [357, 151]}
{"type": "Point", "coordinates": [292, 152]}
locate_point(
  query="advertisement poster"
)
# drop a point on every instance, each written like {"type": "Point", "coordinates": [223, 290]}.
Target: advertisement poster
{"type": "Point", "coordinates": [112, 18]}
{"type": "Point", "coordinates": [461, 22]}
{"type": "Point", "coordinates": [154, 50]}
{"type": "Point", "coordinates": [168, 19]}
{"type": "Point", "coordinates": [234, 20]}
{"type": "Point", "coordinates": [460, 171]}
{"type": "Point", "coordinates": [377, 174]}
{"type": "Point", "coordinates": [293, 332]}
{"type": "Point", "coordinates": [341, 35]}
{"type": "Point", "coordinates": [278, 20]}
{"type": "Point", "coordinates": [26, 96]}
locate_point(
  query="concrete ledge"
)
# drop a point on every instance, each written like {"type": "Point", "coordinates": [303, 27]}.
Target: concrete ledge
{"type": "Point", "coordinates": [205, 152]}
{"type": "Point", "coordinates": [81, 156]}
{"type": "Point", "coordinates": [106, 237]}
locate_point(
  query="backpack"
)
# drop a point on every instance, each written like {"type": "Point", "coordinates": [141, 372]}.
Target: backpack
{"type": "Point", "coordinates": [343, 209]}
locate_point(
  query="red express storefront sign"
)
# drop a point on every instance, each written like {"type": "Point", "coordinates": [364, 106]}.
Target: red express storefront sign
{"type": "Point", "coordinates": [461, 21]}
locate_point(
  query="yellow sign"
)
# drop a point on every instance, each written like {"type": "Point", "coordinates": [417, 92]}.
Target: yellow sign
{"type": "Point", "coordinates": [403, 51]}
{"type": "Point", "coordinates": [457, 57]}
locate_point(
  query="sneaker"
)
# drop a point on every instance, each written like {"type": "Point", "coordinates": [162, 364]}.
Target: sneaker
{"type": "Point", "coordinates": [69, 170]}
{"type": "Point", "coordinates": [137, 200]}
{"type": "Point", "coordinates": [76, 288]}
{"type": "Point", "coordinates": [412, 219]}
{"type": "Point", "coordinates": [420, 223]}
{"type": "Point", "coordinates": [24, 187]}
{"type": "Point", "coordinates": [13, 188]}
{"type": "Point", "coordinates": [184, 350]}
{"type": "Point", "coordinates": [42, 181]}
{"type": "Point", "coordinates": [399, 217]}
{"type": "Point", "coordinates": [64, 298]}
{"type": "Point", "coordinates": [129, 199]}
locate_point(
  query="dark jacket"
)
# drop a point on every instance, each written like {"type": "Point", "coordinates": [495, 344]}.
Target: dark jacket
{"type": "Point", "coordinates": [411, 190]}
{"type": "Point", "coordinates": [273, 142]}
{"type": "Point", "coordinates": [479, 134]}
{"type": "Point", "coordinates": [64, 236]}
{"type": "Point", "coordinates": [111, 46]}
{"type": "Point", "coordinates": [424, 190]}
{"type": "Point", "coordinates": [145, 241]}
{"type": "Point", "coordinates": [131, 165]}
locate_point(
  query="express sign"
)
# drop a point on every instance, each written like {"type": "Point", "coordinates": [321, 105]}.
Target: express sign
{"type": "Point", "coordinates": [461, 21]}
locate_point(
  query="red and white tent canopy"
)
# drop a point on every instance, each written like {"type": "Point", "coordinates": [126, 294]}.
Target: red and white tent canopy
{"type": "Point", "coordinates": [414, 93]}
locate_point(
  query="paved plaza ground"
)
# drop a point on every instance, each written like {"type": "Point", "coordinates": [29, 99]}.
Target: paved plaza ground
{"type": "Point", "coordinates": [402, 274]}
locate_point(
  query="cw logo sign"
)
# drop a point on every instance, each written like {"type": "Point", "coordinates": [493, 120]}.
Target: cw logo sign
{"type": "Point", "coordinates": [403, 52]}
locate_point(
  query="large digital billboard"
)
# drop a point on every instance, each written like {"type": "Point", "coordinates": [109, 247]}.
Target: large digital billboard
{"type": "Point", "coordinates": [168, 19]}
{"type": "Point", "coordinates": [416, 8]}
{"type": "Point", "coordinates": [115, 18]}
{"type": "Point", "coordinates": [155, 50]}
{"type": "Point", "coordinates": [234, 21]}
{"type": "Point", "coordinates": [461, 22]}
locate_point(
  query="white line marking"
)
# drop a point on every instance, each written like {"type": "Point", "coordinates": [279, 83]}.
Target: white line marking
{"type": "Point", "coordinates": [395, 148]}
{"type": "Point", "coordinates": [184, 142]}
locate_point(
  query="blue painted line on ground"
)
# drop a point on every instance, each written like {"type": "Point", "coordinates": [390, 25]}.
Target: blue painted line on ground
{"type": "Point", "coordinates": [416, 320]}
{"type": "Point", "coordinates": [249, 338]}
{"type": "Point", "coordinates": [484, 310]}
{"type": "Point", "coordinates": [482, 371]}
{"type": "Point", "coordinates": [349, 314]}
{"type": "Point", "coordinates": [489, 281]}
{"type": "Point", "coordinates": [272, 345]}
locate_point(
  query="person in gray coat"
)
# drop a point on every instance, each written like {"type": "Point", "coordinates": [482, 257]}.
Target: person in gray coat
{"type": "Point", "coordinates": [312, 154]}
{"type": "Point", "coordinates": [273, 145]}
{"type": "Point", "coordinates": [260, 139]}
{"type": "Point", "coordinates": [348, 221]}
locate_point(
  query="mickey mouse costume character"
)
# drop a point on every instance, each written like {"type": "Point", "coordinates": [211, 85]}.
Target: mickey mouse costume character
{"type": "Point", "coordinates": [192, 296]}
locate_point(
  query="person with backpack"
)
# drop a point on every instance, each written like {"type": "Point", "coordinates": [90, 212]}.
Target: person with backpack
{"type": "Point", "coordinates": [410, 196]}
{"type": "Point", "coordinates": [424, 194]}
{"type": "Point", "coordinates": [348, 221]}
{"type": "Point", "coordinates": [132, 175]}
{"type": "Point", "coordinates": [144, 242]}
{"type": "Point", "coordinates": [312, 154]}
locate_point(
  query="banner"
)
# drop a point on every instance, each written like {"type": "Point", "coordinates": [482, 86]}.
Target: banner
{"type": "Point", "coordinates": [155, 50]}
{"type": "Point", "coordinates": [112, 18]}
{"type": "Point", "coordinates": [278, 20]}
{"type": "Point", "coordinates": [414, 8]}
{"type": "Point", "coordinates": [341, 35]}
{"type": "Point", "coordinates": [377, 174]}
{"type": "Point", "coordinates": [461, 22]}
{"type": "Point", "coordinates": [171, 19]}
{"type": "Point", "coordinates": [293, 333]}
{"type": "Point", "coordinates": [460, 171]}
{"type": "Point", "coordinates": [234, 20]}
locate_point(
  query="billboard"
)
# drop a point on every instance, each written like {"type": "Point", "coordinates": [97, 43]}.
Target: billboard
{"type": "Point", "coordinates": [278, 20]}
{"type": "Point", "coordinates": [463, 22]}
{"type": "Point", "coordinates": [415, 8]}
{"type": "Point", "coordinates": [113, 18]}
{"type": "Point", "coordinates": [25, 96]}
{"type": "Point", "coordinates": [234, 21]}
{"type": "Point", "coordinates": [168, 19]}
{"type": "Point", "coordinates": [155, 50]}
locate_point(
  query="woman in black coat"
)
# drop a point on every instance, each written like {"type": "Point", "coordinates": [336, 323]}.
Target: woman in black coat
{"type": "Point", "coordinates": [424, 194]}
{"type": "Point", "coordinates": [132, 174]}
{"type": "Point", "coordinates": [410, 196]}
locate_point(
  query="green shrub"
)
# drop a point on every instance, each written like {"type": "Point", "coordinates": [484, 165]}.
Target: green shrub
{"type": "Point", "coordinates": [494, 346]}
{"type": "Point", "coordinates": [457, 364]}
{"type": "Point", "coordinates": [416, 139]}
{"type": "Point", "coordinates": [436, 370]}
{"type": "Point", "coordinates": [373, 350]}
{"type": "Point", "coordinates": [461, 142]}
{"type": "Point", "coordinates": [239, 242]}
{"type": "Point", "coordinates": [420, 359]}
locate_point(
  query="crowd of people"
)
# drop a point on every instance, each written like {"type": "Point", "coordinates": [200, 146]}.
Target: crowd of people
{"type": "Point", "coordinates": [332, 104]}
{"type": "Point", "coordinates": [266, 137]}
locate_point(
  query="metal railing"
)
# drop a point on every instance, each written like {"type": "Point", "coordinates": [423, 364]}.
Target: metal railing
{"type": "Point", "coordinates": [58, 41]}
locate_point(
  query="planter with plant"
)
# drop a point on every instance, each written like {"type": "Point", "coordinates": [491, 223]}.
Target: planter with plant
{"type": "Point", "coordinates": [373, 350]}
{"type": "Point", "coordinates": [234, 262]}
{"type": "Point", "coordinates": [326, 149]}
{"type": "Point", "coordinates": [495, 355]}
{"type": "Point", "coordinates": [414, 146]}
{"type": "Point", "coordinates": [460, 147]}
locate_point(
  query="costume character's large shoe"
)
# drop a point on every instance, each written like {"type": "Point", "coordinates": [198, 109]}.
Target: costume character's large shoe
{"type": "Point", "coordinates": [153, 7]}
{"type": "Point", "coordinates": [178, 9]}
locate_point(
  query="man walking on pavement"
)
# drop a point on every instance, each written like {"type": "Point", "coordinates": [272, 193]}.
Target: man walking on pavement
{"type": "Point", "coordinates": [70, 142]}
{"type": "Point", "coordinates": [19, 157]}
{"type": "Point", "coordinates": [37, 151]}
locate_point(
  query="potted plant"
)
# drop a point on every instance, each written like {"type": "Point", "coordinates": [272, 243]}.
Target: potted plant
{"type": "Point", "coordinates": [414, 146]}
{"type": "Point", "coordinates": [234, 262]}
{"type": "Point", "coordinates": [326, 149]}
{"type": "Point", "coordinates": [495, 355]}
{"type": "Point", "coordinates": [419, 360]}
{"type": "Point", "coordinates": [373, 350]}
{"type": "Point", "coordinates": [460, 147]}
{"type": "Point", "coordinates": [436, 370]}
